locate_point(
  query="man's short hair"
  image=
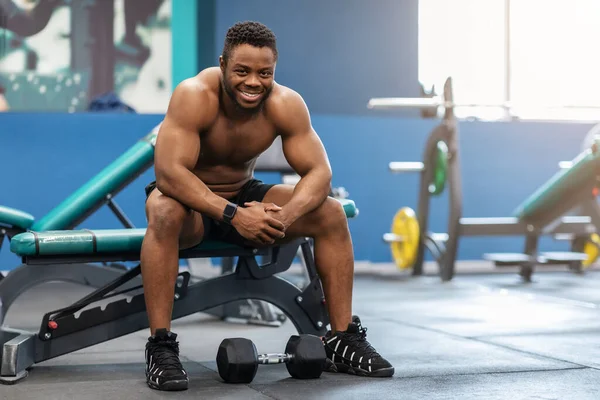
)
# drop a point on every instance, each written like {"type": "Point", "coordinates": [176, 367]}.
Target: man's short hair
{"type": "Point", "coordinates": [249, 32]}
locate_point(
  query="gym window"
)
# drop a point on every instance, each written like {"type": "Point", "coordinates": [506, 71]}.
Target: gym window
{"type": "Point", "coordinates": [525, 59]}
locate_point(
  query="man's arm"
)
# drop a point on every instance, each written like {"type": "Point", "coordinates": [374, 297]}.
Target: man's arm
{"type": "Point", "coordinates": [191, 110]}
{"type": "Point", "coordinates": [305, 153]}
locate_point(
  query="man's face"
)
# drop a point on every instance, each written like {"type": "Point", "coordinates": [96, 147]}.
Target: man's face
{"type": "Point", "coordinates": [248, 75]}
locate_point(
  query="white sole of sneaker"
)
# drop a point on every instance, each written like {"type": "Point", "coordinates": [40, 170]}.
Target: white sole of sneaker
{"type": "Point", "coordinates": [170, 386]}
{"type": "Point", "coordinates": [347, 369]}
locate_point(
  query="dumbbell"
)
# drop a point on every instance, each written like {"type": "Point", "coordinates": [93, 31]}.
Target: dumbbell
{"type": "Point", "coordinates": [238, 359]}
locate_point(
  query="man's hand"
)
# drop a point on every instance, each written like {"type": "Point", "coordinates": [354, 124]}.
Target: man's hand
{"type": "Point", "coordinates": [276, 212]}
{"type": "Point", "coordinates": [284, 216]}
{"type": "Point", "coordinates": [254, 223]}
{"type": "Point", "coordinates": [266, 206]}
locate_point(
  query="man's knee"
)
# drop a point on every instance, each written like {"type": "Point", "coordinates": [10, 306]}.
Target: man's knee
{"type": "Point", "coordinates": [330, 216]}
{"type": "Point", "coordinates": [165, 214]}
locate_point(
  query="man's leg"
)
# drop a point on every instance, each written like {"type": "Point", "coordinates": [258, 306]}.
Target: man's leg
{"type": "Point", "coordinates": [334, 255]}
{"type": "Point", "coordinates": [346, 344]}
{"type": "Point", "coordinates": [170, 227]}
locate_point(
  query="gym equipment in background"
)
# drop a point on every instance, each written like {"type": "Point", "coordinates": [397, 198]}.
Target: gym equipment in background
{"type": "Point", "coordinates": [238, 359]}
{"type": "Point", "coordinates": [545, 213]}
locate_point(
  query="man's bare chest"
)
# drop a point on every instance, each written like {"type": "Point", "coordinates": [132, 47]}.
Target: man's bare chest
{"type": "Point", "coordinates": [236, 143]}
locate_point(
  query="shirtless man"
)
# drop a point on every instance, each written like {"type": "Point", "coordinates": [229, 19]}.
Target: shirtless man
{"type": "Point", "coordinates": [216, 126]}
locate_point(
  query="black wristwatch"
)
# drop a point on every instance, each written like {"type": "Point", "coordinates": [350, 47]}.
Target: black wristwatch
{"type": "Point", "coordinates": [229, 212]}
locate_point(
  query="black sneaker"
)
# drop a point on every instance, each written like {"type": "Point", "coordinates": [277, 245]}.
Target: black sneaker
{"type": "Point", "coordinates": [349, 352]}
{"type": "Point", "coordinates": [163, 368]}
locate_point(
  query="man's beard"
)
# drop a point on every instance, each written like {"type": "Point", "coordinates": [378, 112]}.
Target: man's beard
{"type": "Point", "coordinates": [231, 93]}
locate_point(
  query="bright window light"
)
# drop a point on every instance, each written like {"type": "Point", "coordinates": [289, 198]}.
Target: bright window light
{"type": "Point", "coordinates": [541, 59]}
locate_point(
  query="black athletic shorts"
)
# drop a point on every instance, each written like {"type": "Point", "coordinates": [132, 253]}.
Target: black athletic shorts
{"type": "Point", "coordinates": [253, 190]}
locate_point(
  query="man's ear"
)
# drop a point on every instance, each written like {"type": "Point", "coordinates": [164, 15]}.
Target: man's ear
{"type": "Point", "coordinates": [222, 63]}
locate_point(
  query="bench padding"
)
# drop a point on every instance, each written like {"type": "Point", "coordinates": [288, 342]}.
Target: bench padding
{"type": "Point", "coordinates": [15, 218]}
{"type": "Point", "coordinates": [102, 241]}
{"type": "Point", "coordinates": [105, 241]}
{"type": "Point", "coordinates": [563, 185]}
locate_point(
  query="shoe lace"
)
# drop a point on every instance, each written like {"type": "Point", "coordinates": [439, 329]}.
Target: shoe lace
{"type": "Point", "coordinates": [166, 354]}
{"type": "Point", "coordinates": [359, 339]}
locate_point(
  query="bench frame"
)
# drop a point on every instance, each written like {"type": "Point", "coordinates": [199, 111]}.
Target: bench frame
{"type": "Point", "coordinates": [61, 332]}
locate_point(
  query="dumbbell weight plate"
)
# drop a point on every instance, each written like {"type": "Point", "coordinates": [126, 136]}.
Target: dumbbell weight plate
{"type": "Point", "coordinates": [308, 356]}
{"type": "Point", "coordinates": [237, 360]}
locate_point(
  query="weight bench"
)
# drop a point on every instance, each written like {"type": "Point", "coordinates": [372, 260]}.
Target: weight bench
{"type": "Point", "coordinates": [99, 191]}
{"type": "Point", "coordinates": [62, 332]}
{"type": "Point", "coordinates": [545, 212]}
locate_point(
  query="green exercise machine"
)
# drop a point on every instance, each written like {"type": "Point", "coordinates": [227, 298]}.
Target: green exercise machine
{"type": "Point", "coordinates": [564, 207]}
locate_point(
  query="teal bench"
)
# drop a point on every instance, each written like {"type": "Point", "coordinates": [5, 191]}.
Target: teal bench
{"type": "Point", "coordinates": [547, 211]}
{"type": "Point", "coordinates": [108, 244]}
{"type": "Point", "coordinates": [61, 332]}
{"type": "Point", "coordinates": [52, 250]}
{"type": "Point", "coordinates": [11, 217]}
{"type": "Point", "coordinates": [565, 190]}
{"type": "Point", "coordinates": [99, 191]}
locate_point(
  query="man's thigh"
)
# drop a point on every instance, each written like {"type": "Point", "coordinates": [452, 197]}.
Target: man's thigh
{"type": "Point", "coordinates": [312, 223]}
{"type": "Point", "coordinates": [279, 194]}
{"type": "Point", "coordinates": [194, 230]}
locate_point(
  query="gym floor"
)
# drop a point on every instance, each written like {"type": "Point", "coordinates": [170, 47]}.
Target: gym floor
{"type": "Point", "coordinates": [481, 336]}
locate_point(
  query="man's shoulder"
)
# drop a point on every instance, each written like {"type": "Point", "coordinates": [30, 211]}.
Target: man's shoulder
{"type": "Point", "coordinates": [284, 99]}
{"type": "Point", "coordinates": [284, 94]}
{"type": "Point", "coordinates": [286, 108]}
{"type": "Point", "coordinates": [206, 83]}
{"type": "Point", "coordinates": [198, 94]}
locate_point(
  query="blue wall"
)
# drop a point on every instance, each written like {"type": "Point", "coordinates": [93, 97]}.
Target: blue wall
{"type": "Point", "coordinates": [48, 156]}
{"type": "Point", "coordinates": [336, 54]}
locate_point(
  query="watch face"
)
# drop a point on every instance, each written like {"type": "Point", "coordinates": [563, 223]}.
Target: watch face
{"type": "Point", "coordinates": [229, 210]}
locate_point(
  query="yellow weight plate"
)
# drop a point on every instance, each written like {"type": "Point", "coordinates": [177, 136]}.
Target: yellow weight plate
{"type": "Point", "coordinates": [591, 250]}
{"type": "Point", "coordinates": [406, 226]}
